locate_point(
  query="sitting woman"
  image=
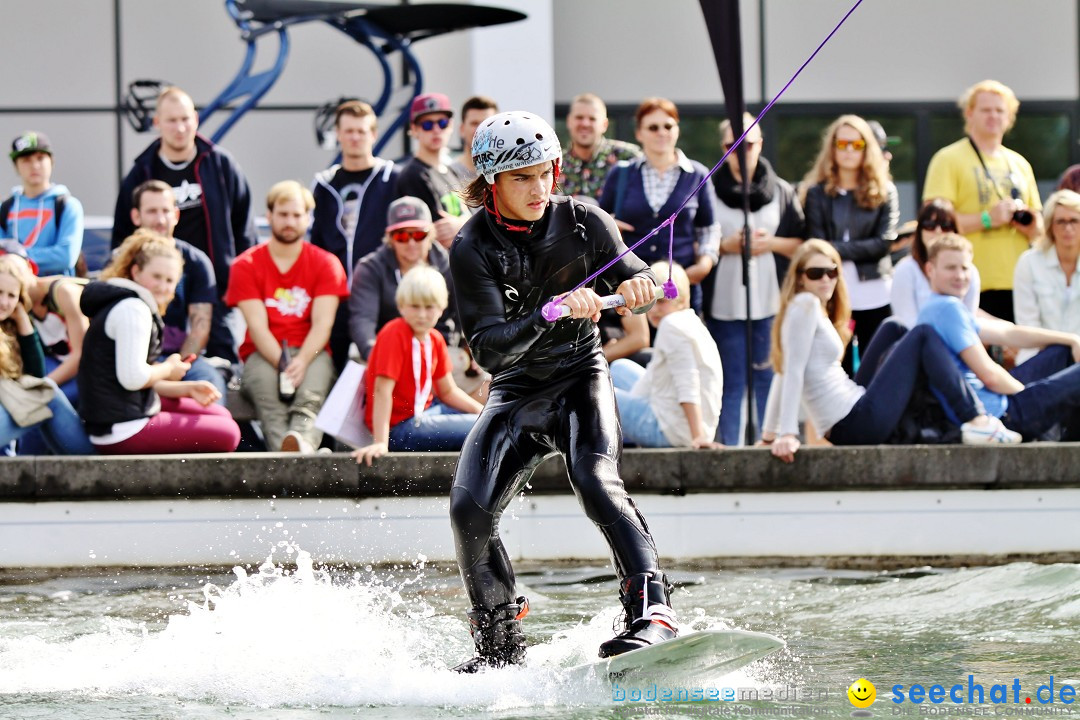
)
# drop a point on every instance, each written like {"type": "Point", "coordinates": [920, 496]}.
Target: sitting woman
{"type": "Point", "coordinates": [1046, 277]}
{"type": "Point", "coordinates": [808, 341]}
{"type": "Point", "coordinates": [675, 401]}
{"type": "Point", "coordinates": [408, 367]}
{"type": "Point", "coordinates": [910, 288]}
{"type": "Point", "coordinates": [132, 405]}
{"type": "Point", "coordinates": [28, 403]}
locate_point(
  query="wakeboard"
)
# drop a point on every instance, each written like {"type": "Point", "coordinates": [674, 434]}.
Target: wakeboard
{"type": "Point", "coordinates": [696, 654]}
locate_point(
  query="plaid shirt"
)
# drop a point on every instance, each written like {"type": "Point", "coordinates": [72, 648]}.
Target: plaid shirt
{"type": "Point", "coordinates": [658, 187]}
{"type": "Point", "coordinates": [586, 177]}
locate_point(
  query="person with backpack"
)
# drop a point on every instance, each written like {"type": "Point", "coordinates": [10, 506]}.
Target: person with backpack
{"type": "Point", "coordinates": [41, 215]}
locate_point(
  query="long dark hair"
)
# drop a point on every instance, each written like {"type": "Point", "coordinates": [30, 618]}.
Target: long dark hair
{"type": "Point", "coordinates": [938, 211]}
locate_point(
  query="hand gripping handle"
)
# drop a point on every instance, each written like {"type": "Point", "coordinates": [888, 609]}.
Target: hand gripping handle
{"type": "Point", "coordinates": [554, 310]}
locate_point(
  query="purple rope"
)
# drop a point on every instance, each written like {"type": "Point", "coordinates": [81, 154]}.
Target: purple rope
{"type": "Point", "coordinates": [669, 286]}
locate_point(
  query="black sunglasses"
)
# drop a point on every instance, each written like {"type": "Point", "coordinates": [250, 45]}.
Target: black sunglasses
{"type": "Point", "coordinates": [816, 273]}
{"type": "Point", "coordinates": [428, 125]}
{"type": "Point", "coordinates": [937, 224]}
{"type": "Point", "coordinates": [656, 128]}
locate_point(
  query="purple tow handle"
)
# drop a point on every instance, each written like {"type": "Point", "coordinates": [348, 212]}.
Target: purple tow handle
{"type": "Point", "coordinates": [554, 310]}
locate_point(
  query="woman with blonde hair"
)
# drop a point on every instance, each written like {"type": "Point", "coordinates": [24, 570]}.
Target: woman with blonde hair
{"type": "Point", "coordinates": [808, 341]}
{"type": "Point", "coordinates": [132, 405]}
{"type": "Point", "coordinates": [1046, 277]}
{"type": "Point", "coordinates": [851, 202]}
{"type": "Point", "coordinates": [27, 401]}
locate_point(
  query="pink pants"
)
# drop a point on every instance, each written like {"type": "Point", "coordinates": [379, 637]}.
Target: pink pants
{"type": "Point", "coordinates": [182, 426]}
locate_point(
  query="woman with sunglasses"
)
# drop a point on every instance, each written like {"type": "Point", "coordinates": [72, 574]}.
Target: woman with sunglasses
{"type": "Point", "coordinates": [409, 242]}
{"type": "Point", "coordinates": [808, 340]}
{"type": "Point", "coordinates": [851, 202]}
{"type": "Point", "coordinates": [910, 288]}
{"type": "Point", "coordinates": [643, 193]}
{"type": "Point", "coordinates": [1046, 277]}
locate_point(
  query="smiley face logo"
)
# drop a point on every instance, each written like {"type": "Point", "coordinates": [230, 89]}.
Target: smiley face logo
{"type": "Point", "coordinates": [862, 693]}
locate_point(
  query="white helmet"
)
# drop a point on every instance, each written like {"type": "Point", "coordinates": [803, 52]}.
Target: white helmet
{"type": "Point", "coordinates": [512, 140]}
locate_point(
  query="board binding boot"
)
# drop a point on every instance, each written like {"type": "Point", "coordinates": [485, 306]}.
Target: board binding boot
{"type": "Point", "coordinates": [497, 635]}
{"type": "Point", "coordinates": [647, 615]}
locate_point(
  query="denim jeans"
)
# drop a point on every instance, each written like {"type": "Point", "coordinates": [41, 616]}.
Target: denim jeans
{"type": "Point", "coordinates": [639, 423]}
{"type": "Point", "coordinates": [730, 338]}
{"type": "Point", "coordinates": [63, 433]}
{"type": "Point", "coordinates": [440, 428]}
{"type": "Point", "coordinates": [920, 356]}
{"type": "Point", "coordinates": [33, 442]}
{"type": "Point", "coordinates": [1051, 395]}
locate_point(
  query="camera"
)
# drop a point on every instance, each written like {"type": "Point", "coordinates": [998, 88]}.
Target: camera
{"type": "Point", "coordinates": [1021, 217]}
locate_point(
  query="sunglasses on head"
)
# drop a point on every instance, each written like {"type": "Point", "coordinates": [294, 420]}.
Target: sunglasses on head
{"type": "Point", "coordinates": [816, 273]}
{"type": "Point", "coordinates": [404, 236]}
{"type": "Point", "coordinates": [858, 145]}
{"type": "Point", "coordinates": [655, 127]}
{"type": "Point", "coordinates": [428, 125]}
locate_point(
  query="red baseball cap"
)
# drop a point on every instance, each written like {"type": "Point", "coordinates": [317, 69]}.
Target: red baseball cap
{"type": "Point", "coordinates": [429, 103]}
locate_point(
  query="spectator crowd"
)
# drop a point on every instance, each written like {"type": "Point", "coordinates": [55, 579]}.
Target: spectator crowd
{"type": "Point", "coordinates": [961, 325]}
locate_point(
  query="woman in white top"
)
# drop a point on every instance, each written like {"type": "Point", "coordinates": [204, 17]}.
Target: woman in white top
{"type": "Point", "coordinates": [809, 335]}
{"type": "Point", "coordinates": [1046, 283]}
{"type": "Point", "coordinates": [776, 226]}
{"type": "Point", "coordinates": [130, 403]}
{"type": "Point", "coordinates": [910, 288]}
{"type": "Point", "coordinates": [675, 401]}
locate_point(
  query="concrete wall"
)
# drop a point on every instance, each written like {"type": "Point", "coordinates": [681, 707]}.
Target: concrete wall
{"type": "Point", "coordinates": [669, 472]}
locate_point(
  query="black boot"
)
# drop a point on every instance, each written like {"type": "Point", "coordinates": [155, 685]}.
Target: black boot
{"type": "Point", "coordinates": [497, 635]}
{"type": "Point", "coordinates": [648, 617]}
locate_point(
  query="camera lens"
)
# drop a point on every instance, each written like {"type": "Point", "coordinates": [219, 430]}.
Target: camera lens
{"type": "Point", "coordinates": [1024, 217]}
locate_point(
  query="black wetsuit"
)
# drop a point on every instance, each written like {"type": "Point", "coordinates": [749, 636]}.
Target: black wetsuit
{"type": "Point", "coordinates": [550, 392]}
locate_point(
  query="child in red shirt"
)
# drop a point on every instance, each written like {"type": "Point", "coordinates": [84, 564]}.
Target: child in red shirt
{"type": "Point", "coordinates": [408, 362]}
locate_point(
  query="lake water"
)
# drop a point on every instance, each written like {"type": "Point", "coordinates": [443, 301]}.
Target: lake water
{"type": "Point", "coordinates": [376, 642]}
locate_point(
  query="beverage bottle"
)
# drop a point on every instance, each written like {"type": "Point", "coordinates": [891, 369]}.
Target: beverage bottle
{"type": "Point", "coordinates": [286, 389]}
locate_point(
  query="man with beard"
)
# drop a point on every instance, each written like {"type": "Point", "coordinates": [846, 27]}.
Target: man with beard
{"type": "Point", "coordinates": [776, 228]}
{"type": "Point", "coordinates": [288, 291]}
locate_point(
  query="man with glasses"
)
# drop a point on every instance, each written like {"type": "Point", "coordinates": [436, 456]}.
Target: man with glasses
{"type": "Point", "coordinates": [428, 175]}
{"type": "Point", "coordinates": [373, 293]}
{"type": "Point", "coordinates": [585, 164]}
{"type": "Point", "coordinates": [993, 189]}
{"type": "Point", "coordinates": [351, 200]}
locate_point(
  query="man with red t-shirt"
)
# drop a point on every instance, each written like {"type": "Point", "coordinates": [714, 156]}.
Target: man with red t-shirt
{"type": "Point", "coordinates": [288, 291]}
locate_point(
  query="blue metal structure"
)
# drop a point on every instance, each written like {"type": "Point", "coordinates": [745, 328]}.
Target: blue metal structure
{"type": "Point", "coordinates": [381, 28]}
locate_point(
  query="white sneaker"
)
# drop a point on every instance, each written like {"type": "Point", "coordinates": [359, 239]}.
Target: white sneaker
{"type": "Point", "coordinates": [991, 433]}
{"type": "Point", "coordinates": [294, 443]}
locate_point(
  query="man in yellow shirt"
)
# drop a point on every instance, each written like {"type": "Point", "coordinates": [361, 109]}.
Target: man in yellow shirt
{"type": "Point", "coordinates": [993, 190]}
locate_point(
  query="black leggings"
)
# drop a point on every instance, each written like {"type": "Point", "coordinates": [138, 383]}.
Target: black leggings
{"type": "Point", "coordinates": [521, 425]}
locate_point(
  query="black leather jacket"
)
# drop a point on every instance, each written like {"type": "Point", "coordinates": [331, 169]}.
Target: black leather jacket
{"type": "Point", "coordinates": [859, 234]}
{"type": "Point", "coordinates": [502, 280]}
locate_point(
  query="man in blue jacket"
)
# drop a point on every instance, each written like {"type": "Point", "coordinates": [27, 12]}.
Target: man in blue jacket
{"type": "Point", "coordinates": [351, 201]}
{"type": "Point", "coordinates": [211, 192]}
{"type": "Point", "coordinates": [40, 215]}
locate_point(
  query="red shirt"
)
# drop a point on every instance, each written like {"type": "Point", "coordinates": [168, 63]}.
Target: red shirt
{"type": "Point", "coordinates": [392, 357]}
{"type": "Point", "coordinates": [287, 296]}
